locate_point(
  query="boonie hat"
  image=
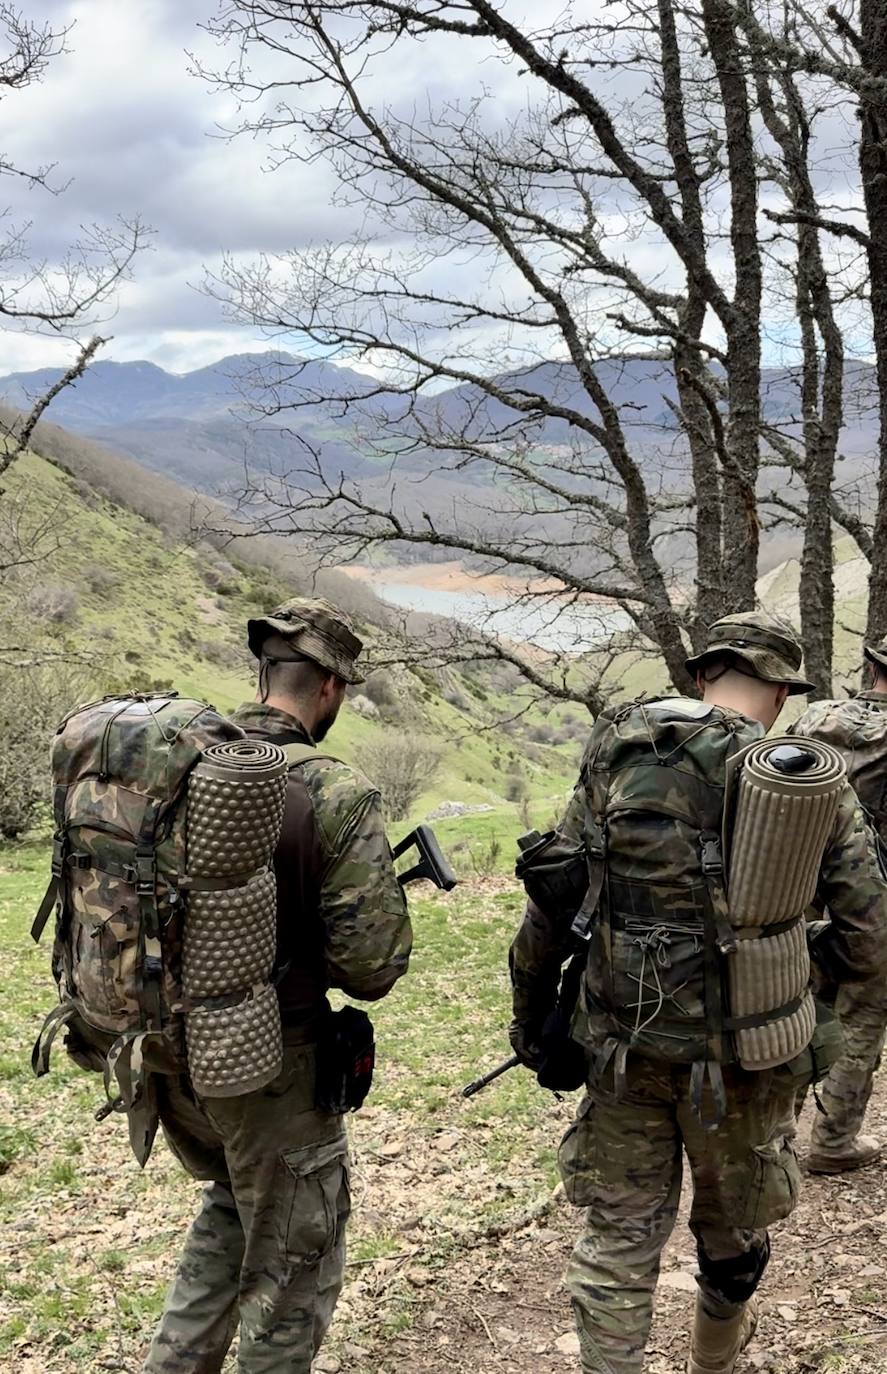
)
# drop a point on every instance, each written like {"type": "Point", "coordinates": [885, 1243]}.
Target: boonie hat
{"type": "Point", "coordinates": [877, 653]}
{"type": "Point", "coordinates": [768, 645]}
{"type": "Point", "coordinates": [311, 629]}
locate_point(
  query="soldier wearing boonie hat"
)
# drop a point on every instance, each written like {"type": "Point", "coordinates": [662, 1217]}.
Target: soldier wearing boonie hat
{"type": "Point", "coordinates": [857, 728]}
{"type": "Point", "coordinates": [303, 628]}
{"type": "Point", "coordinates": [640, 856]}
{"type": "Point", "coordinates": [268, 1247]}
{"type": "Point", "coordinates": [757, 643]}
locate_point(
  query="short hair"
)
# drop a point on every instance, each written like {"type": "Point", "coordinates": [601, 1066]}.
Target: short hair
{"type": "Point", "coordinates": [298, 678]}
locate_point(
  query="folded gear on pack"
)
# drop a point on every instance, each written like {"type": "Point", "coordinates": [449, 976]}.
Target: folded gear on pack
{"type": "Point", "coordinates": [676, 971]}
{"type": "Point", "coordinates": [166, 818]}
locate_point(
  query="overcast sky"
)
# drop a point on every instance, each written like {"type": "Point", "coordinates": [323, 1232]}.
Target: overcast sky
{"type": "Point", "coordinates": [134, 133]}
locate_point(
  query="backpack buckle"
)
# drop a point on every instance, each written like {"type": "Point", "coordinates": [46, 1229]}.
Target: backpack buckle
{"type": "Point", "coordinates": [145, 874]}
{"type": "Point", "coordinates": [596, 843]}
{"type": "Point", "coordinates": [712, 861]}
{"type": "Point", "coordinates": [59, 851]}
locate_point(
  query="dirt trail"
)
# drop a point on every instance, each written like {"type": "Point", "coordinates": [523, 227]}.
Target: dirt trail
{"type": "Point", "coordinates": [500, 1304]}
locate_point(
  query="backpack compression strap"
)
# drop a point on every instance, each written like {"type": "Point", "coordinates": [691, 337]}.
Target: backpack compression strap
{"type": "Point", "coordinates": [304, 753]}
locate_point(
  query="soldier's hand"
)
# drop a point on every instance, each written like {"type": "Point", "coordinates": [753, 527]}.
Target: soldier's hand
{"type": "Point", "coordinates": [525, 1040]}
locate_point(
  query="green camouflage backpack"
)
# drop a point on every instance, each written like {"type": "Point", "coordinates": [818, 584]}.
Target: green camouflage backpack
{"type": "Point", "coordinates": [120, 770]}
{"type": "Point", "coordinates": [655, 914]}
{"type": "Point", "coordinates": [857, 728]}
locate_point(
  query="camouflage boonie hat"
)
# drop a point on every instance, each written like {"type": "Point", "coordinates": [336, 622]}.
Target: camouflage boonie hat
{"type": "Point", "coordinates": [877, 653]}
{"type": "Point", "coordinates": [312, 629]}
{"type": "Point", "coordinates": [768, 645]}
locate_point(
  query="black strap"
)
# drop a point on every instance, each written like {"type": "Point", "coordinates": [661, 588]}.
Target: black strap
{"type": "Point", "coordinates": [596, 856]}
{"type": "Point", "coordinates": [129, 873]}
{"type": "Point", "coordinates": [712, 865]}
{"type": "Point", "coordinates": [767, 932]}
{"type": "Point", "coordinates": [764, 1018]}
{"type": "Point", "coordinates": [151, 961]}
{"type": "Point", "coordinates": [45, 909]}
{"type": "Point", "coordinates": [55, 890]}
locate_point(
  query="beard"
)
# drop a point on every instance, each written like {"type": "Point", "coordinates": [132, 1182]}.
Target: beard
{"type": "Point", "coordinates": [322, 727]}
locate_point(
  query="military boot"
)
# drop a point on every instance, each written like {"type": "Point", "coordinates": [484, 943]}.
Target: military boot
{"type": "Point", "coordinates": [717, 1343]}
{"type": "Point", "coordinates": [839, 1159]}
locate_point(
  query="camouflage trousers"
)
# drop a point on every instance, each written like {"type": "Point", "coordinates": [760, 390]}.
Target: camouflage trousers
{"type": "Point", "coordinates": [622, 1159]}
{"type": "Point", "coordinates": [845, 1092]}
{"type": "Point", "coordinates": [267, 1248]}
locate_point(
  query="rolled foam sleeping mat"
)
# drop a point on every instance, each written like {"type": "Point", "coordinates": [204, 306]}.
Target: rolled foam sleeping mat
{"type": "Point", "coordinates": [236, 799]}
{"type": "Point", "coordinates": [781, 825]}
{"type": "Point", "coordinates": [766, 974]}
{"type": "Point", "coordinates": [236, 796]}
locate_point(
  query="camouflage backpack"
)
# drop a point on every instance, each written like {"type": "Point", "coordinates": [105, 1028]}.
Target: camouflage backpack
{"type": "Point", "coordinates": [857, 728]}
{"type": "Point", "coordinates": [655, 914]}
{"type": "Point", "coordinates": [120, 770]}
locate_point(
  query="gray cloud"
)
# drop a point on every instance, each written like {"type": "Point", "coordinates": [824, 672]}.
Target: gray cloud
{"type": "Point", "coordinates": [133, 131]}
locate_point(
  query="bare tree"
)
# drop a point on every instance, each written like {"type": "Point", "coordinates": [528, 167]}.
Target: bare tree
{"type": "Point", "coordinates": [846, 49]}
{"type": "Point", "coordinates": [402, 766]}
{"type": "Point", "coordinates": [616, 216]}
{"type": "Point", "coordinates": [37, 295]}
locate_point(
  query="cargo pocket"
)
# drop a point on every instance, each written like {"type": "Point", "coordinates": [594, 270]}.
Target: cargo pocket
{"type": "Point", "coordinates": [775, 1184]}
{"type": "Point", "coordinates": [317, 1200]}
{"type": "Point", "coordinates": [577, 1158]}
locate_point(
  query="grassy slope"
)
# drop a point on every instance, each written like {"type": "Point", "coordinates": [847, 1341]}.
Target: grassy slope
{"type": "Point", "coordinates": [147, 615]}
{"type": "Point", "coordinates": [90, 1240]}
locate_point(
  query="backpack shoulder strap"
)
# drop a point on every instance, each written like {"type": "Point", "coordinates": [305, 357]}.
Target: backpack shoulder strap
{"type": "Point", "coordinates": [303, 753]}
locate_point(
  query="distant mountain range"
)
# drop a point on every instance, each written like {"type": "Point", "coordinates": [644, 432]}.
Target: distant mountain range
{"type": "Point", "coordinates": [198, 428]}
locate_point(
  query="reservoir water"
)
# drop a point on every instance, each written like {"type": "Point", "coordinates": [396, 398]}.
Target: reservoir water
{"type": "Point", "coordinates": [542, 620]}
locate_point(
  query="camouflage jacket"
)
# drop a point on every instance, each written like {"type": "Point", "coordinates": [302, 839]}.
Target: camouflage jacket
{"type": "Point", "coordinates": [342, 919]}
{"type": "Point", "coordinates": [857, 728]}
{"type": "Point", "coordinates": [851, 945]}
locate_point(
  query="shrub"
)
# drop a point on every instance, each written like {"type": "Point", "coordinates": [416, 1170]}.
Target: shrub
{"type": "Point", "coordinates": [515, 787]}
{"type": "Point", "coordinates": [32, 701]}
{"type": "Point", "coordinates": [52, 601]}
{"type": "Point", "coordinates": [402, 766]}
{"type": "Point", "coordinates": [219, 653]}
{"type": "Point", "coordinates": [380, 690]}
{"type": "Point", "coordinates": [363, 706]}
{"type": "Point", "coordinates": [99, 578]}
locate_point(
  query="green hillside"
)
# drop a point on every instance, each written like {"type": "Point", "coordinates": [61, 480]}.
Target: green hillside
{"type": "Point", "coordinates": [136, 607]}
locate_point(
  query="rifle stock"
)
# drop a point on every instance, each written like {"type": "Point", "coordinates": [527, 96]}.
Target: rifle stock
{"type": "Point", "coordinates": [432, 863]}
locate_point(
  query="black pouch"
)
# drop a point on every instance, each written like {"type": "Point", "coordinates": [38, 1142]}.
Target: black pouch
{"type": "Point", "coordinates": [563, 1065]}
{"type": "Point", "coordinates": [554, 872]}
{"type": "Point", "coordinates": [346, 1056]}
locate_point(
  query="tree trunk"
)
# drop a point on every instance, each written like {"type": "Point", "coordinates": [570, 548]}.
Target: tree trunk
{"type": "Point", "coordinates": [741, 526]}
{"type": "Point", "coordinates": [873, 164]}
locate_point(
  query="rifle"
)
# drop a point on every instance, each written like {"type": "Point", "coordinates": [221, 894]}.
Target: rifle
{"type": "Point", "coordinates": [432, 863]}
{"type": "Point", "coordinates": [564, 1066]}
{"type": "Point", "coordinates": [471, 1088]}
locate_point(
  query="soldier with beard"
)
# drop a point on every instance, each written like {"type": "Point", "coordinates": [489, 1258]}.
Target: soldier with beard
{"type": "Point", "coordinates": [266, 1250]}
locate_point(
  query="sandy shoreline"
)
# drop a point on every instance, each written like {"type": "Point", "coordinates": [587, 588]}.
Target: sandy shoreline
{"type": "Point", "coordinates": [451, 576]}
